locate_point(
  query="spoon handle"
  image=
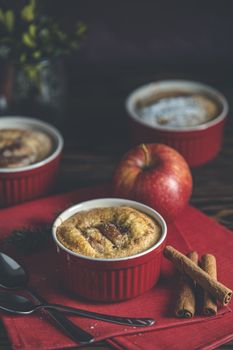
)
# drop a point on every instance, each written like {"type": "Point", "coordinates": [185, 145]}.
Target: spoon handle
{"type": "Point", "coordinates": [128, 321]}
{"type": "Point", "coordinates": [72, 330]}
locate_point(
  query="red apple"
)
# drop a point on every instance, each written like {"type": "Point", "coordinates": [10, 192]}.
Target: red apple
{"type": "Point", "coordinates": [156, 175]}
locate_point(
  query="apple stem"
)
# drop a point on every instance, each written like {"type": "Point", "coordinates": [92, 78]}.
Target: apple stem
{"type": "Point", "coordinates": [146, 154]}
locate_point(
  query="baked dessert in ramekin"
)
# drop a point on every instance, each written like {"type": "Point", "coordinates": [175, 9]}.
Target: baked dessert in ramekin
{"type": "Point", "coordinates": [112, 232]}
{"type": "Point", "coordinates": [97, 260]}
{"type": "Point", "coordinates": [21, 147]}
{"type": "Point", "coordinates": [186, 115]}
{"type": "Point", "coordinates": [30, 152]}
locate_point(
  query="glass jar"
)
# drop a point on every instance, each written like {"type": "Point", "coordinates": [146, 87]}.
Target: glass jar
{"type": "Point", "coordinates": [37, 90]}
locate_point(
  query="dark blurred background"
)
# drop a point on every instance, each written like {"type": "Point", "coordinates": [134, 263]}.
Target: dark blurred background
{"type": "Point", "coordinates": [130, 43]}
{"type": "Point", "coordinates": [178, 33]}
{"type": "Point", "coordinates": [152, 31]}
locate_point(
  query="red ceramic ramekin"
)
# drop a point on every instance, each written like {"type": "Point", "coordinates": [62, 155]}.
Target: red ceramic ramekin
{"type": "Point", "coordinates": [20, 184]}
{"type": "Point", "coordinates": [198, 144]}
{"type": "Point", "coordinates": [109, 280]}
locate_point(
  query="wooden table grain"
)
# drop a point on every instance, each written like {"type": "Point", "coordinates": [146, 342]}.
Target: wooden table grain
{"type": "Point", "coordinates": [96, 135]}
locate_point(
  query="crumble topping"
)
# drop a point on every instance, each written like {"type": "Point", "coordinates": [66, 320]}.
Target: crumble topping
{"type": "Point", "coordinates": [111, 232]}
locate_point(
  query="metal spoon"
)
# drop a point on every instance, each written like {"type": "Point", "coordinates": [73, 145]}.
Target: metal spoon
{"type": "Point", "coordinates": [13, 276]}
{"type": "Point", "coordinates": [18, 304]}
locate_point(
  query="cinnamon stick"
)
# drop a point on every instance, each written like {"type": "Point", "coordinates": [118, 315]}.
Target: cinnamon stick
{"type": "Point", "coordinates": [208, 264]}
{"type": "Point", "coordinates": [208, 283]}
{"type": "Point", "coordinates": [185, 304]}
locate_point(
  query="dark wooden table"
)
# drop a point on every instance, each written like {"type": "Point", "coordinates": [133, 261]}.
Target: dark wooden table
{"type": "Point", "coordinates": [96, 136]}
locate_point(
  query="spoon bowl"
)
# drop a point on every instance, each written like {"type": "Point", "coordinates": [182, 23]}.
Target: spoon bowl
{"type": "Point", "coordinates": [15, 304]}
{"type": "Point", "coordinates": [12, 275]}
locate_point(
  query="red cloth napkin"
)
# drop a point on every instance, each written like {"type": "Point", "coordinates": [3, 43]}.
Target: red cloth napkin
{"type": "Point", "coordinates": [204, 235]}
{"type": "Point", "coordinates": [157, 303]}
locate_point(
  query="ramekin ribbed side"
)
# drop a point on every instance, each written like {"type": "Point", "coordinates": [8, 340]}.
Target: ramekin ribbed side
{"type": "Point", "coordinates": [21, 184]}
{"type": "Point", "coordinates": [109, 280]}
{"type": "Point", "coordinates": [197, 147]}
{"type": "Point", "coordinates": [20, 187]}
{"type": "Point", "coordinates": [198, 144]}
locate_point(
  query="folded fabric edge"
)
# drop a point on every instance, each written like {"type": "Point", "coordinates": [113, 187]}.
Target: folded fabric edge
{"type": "Point", "coordinates": [220, 341]}
{"type": "Point", "coordinates": [121, 341]}
{"type": "Point", "coordinates": [19, 344]}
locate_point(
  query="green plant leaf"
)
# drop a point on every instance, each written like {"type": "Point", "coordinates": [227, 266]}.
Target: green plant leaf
{"type": "Point", "coordinates": [28, 40]}
{"type": "Point", "coordinates": [23, 58]}
{"type": "Point", "coordinates": [74, 45]}
{"type": "Point", "coordinates": [28, 12]}
{"type": "Point", "coordinates": [5, 51]}
{"type": "Point", "coordinates": [36, 54]}
{"type": "Point", "coordinates": [80, 29]}
{"type": "Point", "coordinates": [10, 20]}
{"type": "Point", "coordinates": [32, 30]}
{"type": "Point", "coordinates": [61, 35]}
{"type": "Point", "coordinates": [31, 70]}
{"type": "Point", "coordinates": [2, 16]}
{"type": "Point", "coordinates": [44, 34]}
{"type": "Point", "coordinates": [27, 36]}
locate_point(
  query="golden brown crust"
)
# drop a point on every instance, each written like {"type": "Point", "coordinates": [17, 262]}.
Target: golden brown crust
{"type": "Point", "coordinates": [211, 107]}
{"type": "Point", "coordinates": [111, 232]}
{"type": "Point", "coordinates": [20, 147]}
